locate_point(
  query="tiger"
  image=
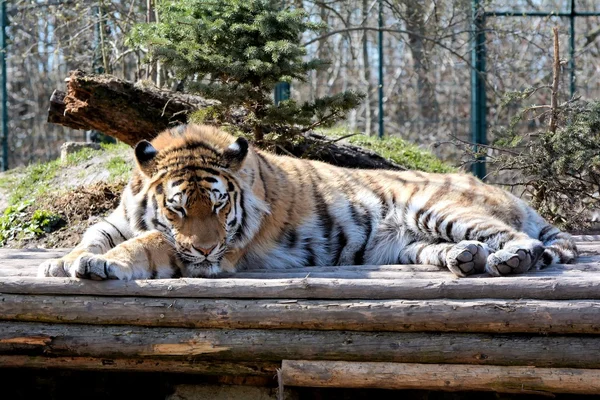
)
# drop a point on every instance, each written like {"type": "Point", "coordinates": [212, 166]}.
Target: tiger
{"type": "Point", "coordinates": [202, 203]}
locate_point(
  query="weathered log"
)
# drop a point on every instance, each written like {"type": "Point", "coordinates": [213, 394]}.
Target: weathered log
{"type": "Point", "coordinates": [491, 316]}
{"type": "Point", "coordinates": [57, 112]}
{"type": "Point", "coordinates": [129, 112]}
{"type": "Point", "coordinates": [129, 342]}
{"type": "Point", "coordinates": [560, 288]}
{"type": "Point", "coordinates": [267, 369]}
{"type": "Point", "coordinates": [132, 112]}
{"type": "Point", "coordinates": [383, 272]}
{"type": "Point", "coordinates": [440, 377]}
{"type": "Point", "coordinates": [402, 273]}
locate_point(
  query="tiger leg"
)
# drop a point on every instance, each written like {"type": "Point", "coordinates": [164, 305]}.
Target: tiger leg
{"type": "Point", "coordinates": [464, 258]}
{"type": "Point", "coordinates": [510, 251]}
{"type": "Point", "coordinates": [98, 239]}
{"type": "Point", "coordinates": [149, 255]}
{"type": "Point", "coordinates": [559, 246]}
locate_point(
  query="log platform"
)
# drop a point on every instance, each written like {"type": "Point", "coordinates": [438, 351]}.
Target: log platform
{"type": "Point", "coordinates": [392, 326]}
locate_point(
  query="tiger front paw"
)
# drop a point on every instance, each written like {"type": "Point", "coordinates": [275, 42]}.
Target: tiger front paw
{"type": "Point", "coordinates": [52, 268]}
{"type": "Point", "coordinates": [59, 267]}
{"type": "Point", "coordinates": [98, 267]}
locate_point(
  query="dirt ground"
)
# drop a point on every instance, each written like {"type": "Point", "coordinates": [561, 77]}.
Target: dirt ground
{"type": "Point", "coordinates": [79, 208]}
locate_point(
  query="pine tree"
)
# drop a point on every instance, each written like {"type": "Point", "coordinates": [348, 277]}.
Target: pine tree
{"type": "Point", "coordinates": [236, 51]}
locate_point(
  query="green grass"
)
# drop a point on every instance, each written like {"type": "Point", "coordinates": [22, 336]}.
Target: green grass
{"type": "Point", "coordinates": [118, 168]}
{"type": "Point", "coordinates": [395, 149]}
{"type": "Point", "coordinates": [34, 183]}
{"type": "Point", "coordinates": [35, 180]}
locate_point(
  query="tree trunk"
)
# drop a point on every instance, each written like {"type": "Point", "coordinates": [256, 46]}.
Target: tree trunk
{"type": "Point", "coordinates": [367, 71]}
{"type": "Point", "coordinates": [132, 112]}
{"type": "Point", "coordinates": [415, 24]}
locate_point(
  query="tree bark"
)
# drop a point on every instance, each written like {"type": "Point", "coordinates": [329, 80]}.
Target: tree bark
{"type": "Point", "coordinates": [132, 112]}
{"type": "Point", "coordinates": [559, 288]}
{"type": "Point", "coordinates": [141, 365]}
{"type": "Point", "coordinates": [555, 82]}
{"type": "Point", "coordinates": [525, 380]}
{"type": "Point", "coordinates": [126, 111]}
{"type": "Point", "coordinates": [367, 70]}
{"type": "Point", "coordinates": [129, 343]}
{"type": "Point", "coordinates": [484, 316]}
{"type": "Point", "coordinates": [371, 272]}
{"type": "Point", "coordinates": [416, 26]}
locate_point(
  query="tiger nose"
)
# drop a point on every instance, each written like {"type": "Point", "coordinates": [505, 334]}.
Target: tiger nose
{"type": "Point", "coordinates": [204, 251]}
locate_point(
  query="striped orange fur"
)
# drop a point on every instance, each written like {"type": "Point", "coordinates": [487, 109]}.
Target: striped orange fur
{"type": "Point", "coordinates": [201, 202]}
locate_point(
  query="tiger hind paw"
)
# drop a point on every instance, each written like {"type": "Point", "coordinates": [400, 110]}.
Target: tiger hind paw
{"type": "Point", "coordinates": [467, 257]}
{"type": "Point", "coordinates": [514, 259]}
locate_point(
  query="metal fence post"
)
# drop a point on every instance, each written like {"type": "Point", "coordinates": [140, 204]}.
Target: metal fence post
{"type": "Point", "coordinates": [478, 96]}
{"type": "Point", "coordinates": [282, 89]}
{"type": "Point", "coordinates": [380, 22]}
{"type": "Point", "coordinates": [572, 48]}
{"type": "Point", "coordinates": [4, 89]}
{"type": "Point", "coordinates": [282, 92]}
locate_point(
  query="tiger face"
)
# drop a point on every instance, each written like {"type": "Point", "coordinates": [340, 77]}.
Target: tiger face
{"type": "Point", "coordinates": [196, 199]}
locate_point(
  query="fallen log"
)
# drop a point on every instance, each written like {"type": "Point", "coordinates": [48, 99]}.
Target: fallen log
{"type": "Point", "coordinates": [131, 112]}
{"type": "Point", "coordinates": [485, 316]}
{"type": "Point", "coordinates": [529, 380]}
{"type": "Point", "coordinates": [118, 108]}
{"type": "Point", "coordinates": [130, 342]}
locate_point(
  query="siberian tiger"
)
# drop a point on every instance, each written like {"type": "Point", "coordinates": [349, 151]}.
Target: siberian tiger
{"type": "Point", "coordinates": [201, 202]}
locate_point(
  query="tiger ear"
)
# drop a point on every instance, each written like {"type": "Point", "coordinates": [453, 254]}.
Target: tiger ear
{"type": "Point", "coordinates": [236, 153]}
{"type": "Point", "coordinates": [145, 154]}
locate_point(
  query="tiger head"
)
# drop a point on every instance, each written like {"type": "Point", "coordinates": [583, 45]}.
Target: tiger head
{"type": "Point", "coordinates": [196, 193]}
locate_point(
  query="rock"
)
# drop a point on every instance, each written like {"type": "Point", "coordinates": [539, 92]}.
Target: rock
{"type": "Point", "coordinates": [73, 147]}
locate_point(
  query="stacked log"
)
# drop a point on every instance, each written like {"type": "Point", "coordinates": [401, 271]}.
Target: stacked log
{"type": "Point", "coordinates": [522, 380]}
{"type": "Point", "coordinates": [535, 333]}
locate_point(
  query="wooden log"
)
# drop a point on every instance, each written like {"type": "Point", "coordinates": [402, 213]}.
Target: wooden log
{"type": "Point", "coordinates": [32, 255]}
{"type": "Point", "coordinates": [408, 274]}
{"type": "Point", "coordinates": [492, 316]}
{"type": "Point", "coordinates": [315, 288]}
{"type": "Point", "coordinates": [129, 342]}
{"type": "Point", "coordinates": [13, 272]}
{"type": "Point", "coordinates": [57, 112]}
{"type": "Point", "coordinates": [132, 112]}
{"type": "Point", "coordinates": [582, 271]}
{"type": "Point", "coordinates": [118, 108]}
{"type": "Point", "coordinates": [440, 377]}
{"type": "Point", "coordinates": [25, 263]}
{"type": "Point", "coordinates": [141, 365]}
